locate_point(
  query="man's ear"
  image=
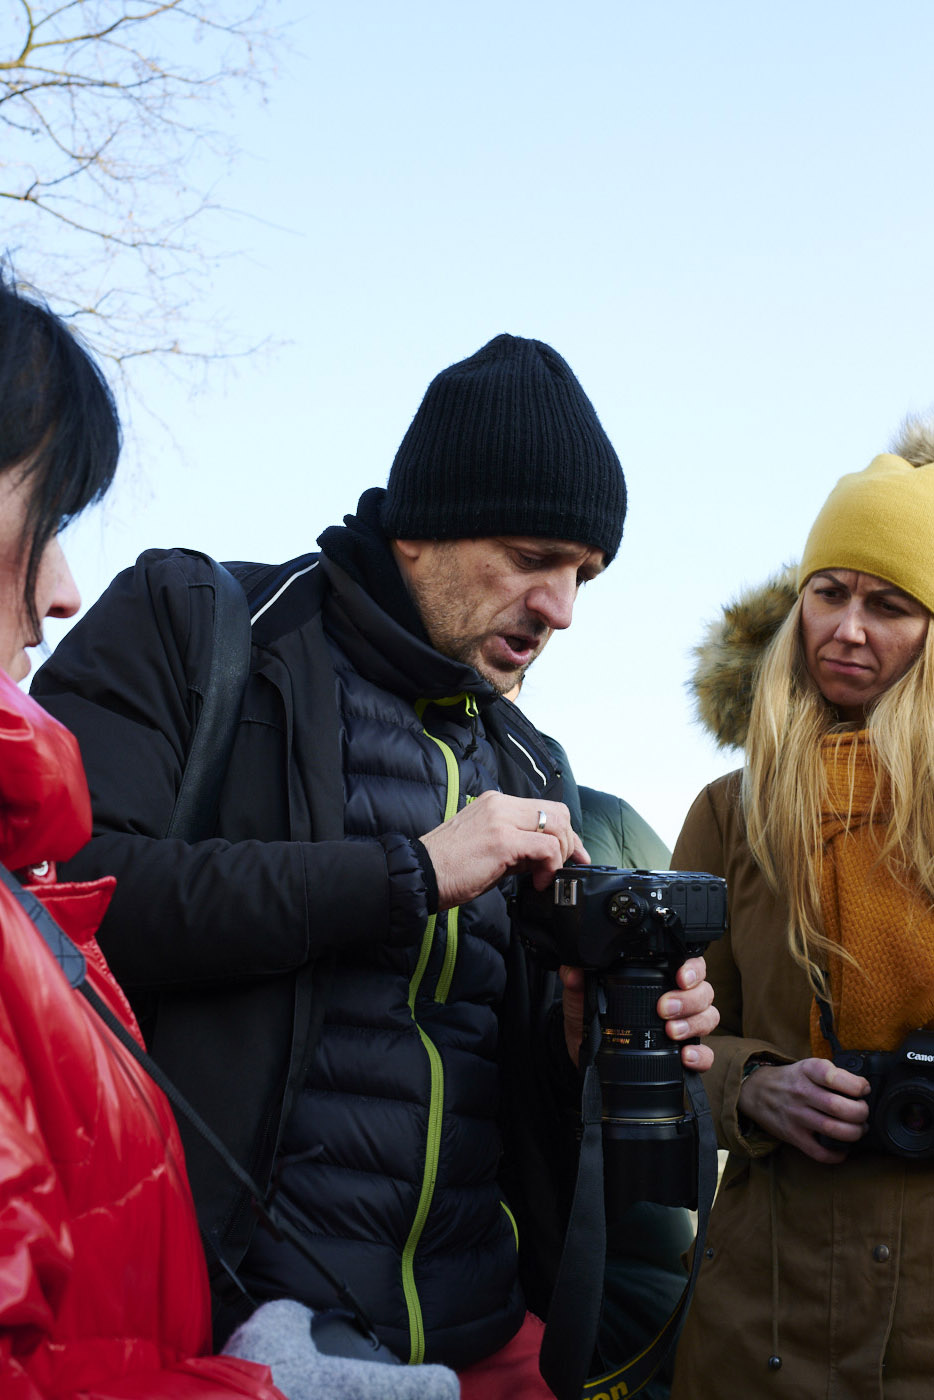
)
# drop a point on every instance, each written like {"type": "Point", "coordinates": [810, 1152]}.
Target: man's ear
{"type": "Point", "coordinates": [409, 549]}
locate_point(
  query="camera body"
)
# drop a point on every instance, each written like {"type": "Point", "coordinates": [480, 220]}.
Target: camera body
{"type": "Point", "coordinates": [631, 930]}
{"type": "Point", "coordinates": [901, 1096]}
{"type": "Point", "coordinates": [599, 916]}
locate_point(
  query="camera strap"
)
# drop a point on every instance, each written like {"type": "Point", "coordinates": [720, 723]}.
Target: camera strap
{"type": "Point", "coordinates": [828, 1031]}
{"type": "Point", "coordinates": [825, 1020]}
{"type": "Point", "coordinates": [577, 1299]}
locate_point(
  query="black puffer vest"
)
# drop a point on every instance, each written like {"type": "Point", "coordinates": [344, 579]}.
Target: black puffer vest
{"type": "Point", "coordinates": [391, 1150]}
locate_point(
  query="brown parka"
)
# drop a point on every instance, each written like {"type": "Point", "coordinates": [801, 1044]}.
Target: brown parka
{"type": "Point", "coordinates": [817, 1281]}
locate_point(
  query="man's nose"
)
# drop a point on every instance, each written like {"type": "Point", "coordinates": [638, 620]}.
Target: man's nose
{"type": "Point", "coordinates": [850, 627]}
{"type": "Point", "coordinates": [553, 600]}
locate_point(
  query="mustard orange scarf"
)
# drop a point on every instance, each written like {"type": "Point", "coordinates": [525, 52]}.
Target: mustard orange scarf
{"type": "Point", "coordinates": [885, 925]}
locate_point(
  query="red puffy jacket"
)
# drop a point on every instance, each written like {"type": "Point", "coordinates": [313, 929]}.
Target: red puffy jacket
{"type": "Point", "coordinates": [103, 1290]}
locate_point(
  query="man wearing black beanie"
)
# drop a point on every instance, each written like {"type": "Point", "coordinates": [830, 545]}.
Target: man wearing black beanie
{"type": "Point", "coordinates": [329, 974]}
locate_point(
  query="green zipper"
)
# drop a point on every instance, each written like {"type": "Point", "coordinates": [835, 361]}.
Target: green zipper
{"type": "Point", "coordinates": [430, 1176]}
{"type": "Point", "coordinates": [450, 957]}
{"type": "Point", "coordinates": [436, 1099]}
{"type": "Point", "coordinates": [512, 1221]}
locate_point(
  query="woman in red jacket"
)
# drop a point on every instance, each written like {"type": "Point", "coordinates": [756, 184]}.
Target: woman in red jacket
{"type": "Point", "coordinates": [102, 1282]}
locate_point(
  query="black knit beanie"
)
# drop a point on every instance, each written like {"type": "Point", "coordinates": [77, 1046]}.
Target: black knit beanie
{"type": "Point", "coordinates": [507, 443]}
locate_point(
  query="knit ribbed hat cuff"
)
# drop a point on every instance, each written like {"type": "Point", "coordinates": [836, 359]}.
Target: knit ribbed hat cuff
{"type": "Point", "coordinates": [879, 521]}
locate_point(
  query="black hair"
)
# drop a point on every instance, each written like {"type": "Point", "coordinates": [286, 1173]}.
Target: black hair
{"type": "Point", "coordinates": [58, 422]}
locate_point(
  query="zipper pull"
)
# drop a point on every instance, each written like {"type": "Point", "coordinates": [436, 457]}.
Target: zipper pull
{"type": "Point", "coordinates": [473, 714]}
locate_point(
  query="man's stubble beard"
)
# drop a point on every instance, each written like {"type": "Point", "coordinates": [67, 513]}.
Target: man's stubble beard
{"type": "Point", "coordinates": [438, 601]}
{"type": "Point", "coordinates": [467, 650]}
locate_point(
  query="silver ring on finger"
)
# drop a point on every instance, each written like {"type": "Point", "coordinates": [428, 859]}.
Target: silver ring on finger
{"type": "Point", "coordinates": [542, 820]}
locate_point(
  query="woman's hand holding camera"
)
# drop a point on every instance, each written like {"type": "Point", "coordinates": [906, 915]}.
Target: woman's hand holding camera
{"type": "Point", "coordinates": [797, 1102]}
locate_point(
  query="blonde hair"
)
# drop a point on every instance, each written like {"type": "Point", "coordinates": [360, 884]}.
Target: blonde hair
{"type": "Point", "coordinates": [784, 782]}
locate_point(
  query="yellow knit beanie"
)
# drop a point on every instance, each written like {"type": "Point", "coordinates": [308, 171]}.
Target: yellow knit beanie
{"type": "Point", "coordinates": [878, 521]}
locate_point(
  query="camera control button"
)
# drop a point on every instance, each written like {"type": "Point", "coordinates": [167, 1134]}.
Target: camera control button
{"type": "Point", "coordinates": [881, 1253]}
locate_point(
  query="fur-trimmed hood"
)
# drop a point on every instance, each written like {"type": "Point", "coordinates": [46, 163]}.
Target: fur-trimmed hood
{"type": "Point", "coordinates": [729, 654]}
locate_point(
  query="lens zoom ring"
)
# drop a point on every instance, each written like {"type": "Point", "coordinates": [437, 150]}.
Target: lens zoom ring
{"type": "Point", "coordinates": [636, 1006]}
{"type": "Point", "coordinates": [636, 1067]}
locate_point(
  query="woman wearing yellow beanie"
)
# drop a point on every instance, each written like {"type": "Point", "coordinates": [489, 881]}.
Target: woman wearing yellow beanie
{"type": "Point", "coordinates": [818, 1276]}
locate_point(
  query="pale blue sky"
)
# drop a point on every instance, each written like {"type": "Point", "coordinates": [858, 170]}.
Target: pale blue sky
{"type": "Point", "coordinates": [720, 214]}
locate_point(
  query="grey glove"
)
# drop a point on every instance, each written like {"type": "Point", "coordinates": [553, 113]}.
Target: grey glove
{"type": "Point", "coordinates": [278, 1335]}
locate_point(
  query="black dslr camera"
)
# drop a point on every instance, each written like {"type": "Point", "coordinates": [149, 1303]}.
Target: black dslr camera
{"type": "Point", "coordinates": [901, 1096]}
{"type": "Point", "coordinates": [632, 930]}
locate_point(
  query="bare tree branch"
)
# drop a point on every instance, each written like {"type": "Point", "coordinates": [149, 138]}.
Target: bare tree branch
{"type": "Point", "coordinates": [112, 113]}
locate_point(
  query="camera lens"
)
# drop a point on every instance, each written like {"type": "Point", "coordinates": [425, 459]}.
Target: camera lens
{"type": "Point", "coordinates": [649, 1142]}
{"type": "Point", "coordinates": [916, 1118]}
{"type": "Point", "coordinates": [905, 1116]}
{"type": "Point", "coordinates": [639, 1066]}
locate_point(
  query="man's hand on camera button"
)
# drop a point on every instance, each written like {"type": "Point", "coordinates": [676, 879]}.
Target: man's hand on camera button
{"type": "Point", "coordinates": [498, 835]}
{"type": "Point", "coordinates": [689, 1011]}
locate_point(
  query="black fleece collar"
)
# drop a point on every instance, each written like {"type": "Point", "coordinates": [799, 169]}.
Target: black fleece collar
{"type": "Point", "coordinates": [389, 654]}
{"type": "Point", "coordinates": [370, 613]}
{"type": "Point", "coordinates": [362, 551]}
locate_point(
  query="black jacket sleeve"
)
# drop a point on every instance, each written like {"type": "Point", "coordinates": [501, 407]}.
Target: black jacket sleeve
{"type": "Point", "coordinates": [128, 680]}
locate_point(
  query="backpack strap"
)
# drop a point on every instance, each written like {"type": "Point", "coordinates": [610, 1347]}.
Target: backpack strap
{"type": "Point", "coordinates": [243, 593]}
{"type": "Point", "coordinates": [195, 813]}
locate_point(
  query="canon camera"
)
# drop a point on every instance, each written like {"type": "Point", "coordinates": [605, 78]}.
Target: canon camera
{"type": "Point", "coordinates": [631, 930]}
{"type": "Point", "coordinates": [901, 1096]}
